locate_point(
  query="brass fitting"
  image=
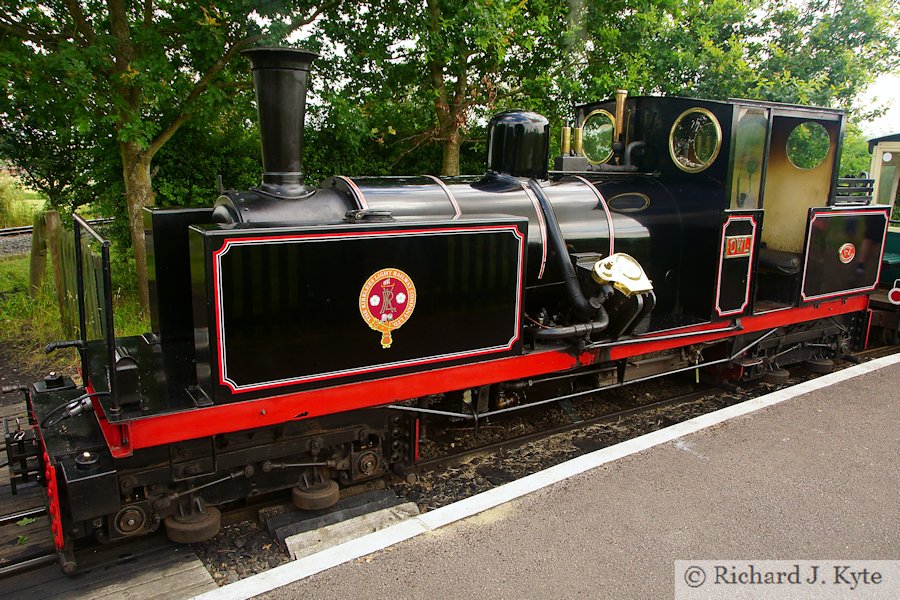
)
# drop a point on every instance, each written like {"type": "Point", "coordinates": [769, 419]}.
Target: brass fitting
{"type": "Point", "coordinates": [565, 143]}
{"type": "Point", "coordinates": [578, 144]}
{"type": "Point", "coordinates": [620, 113]}
{"type": "Point", "coordinates": [623, 272]}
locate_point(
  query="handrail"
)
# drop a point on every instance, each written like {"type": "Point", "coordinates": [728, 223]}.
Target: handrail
{"type": "Point", "coordinates": [81, 224]}
{"type": "Point", "coordinates": [87, 227]}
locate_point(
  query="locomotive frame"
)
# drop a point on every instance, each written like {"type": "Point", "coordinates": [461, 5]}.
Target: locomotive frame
{"type": "Point", "coordinates": [299, 335]}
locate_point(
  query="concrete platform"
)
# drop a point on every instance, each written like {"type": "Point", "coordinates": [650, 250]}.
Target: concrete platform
{"type": "Point", "coordinates": [813, 477]}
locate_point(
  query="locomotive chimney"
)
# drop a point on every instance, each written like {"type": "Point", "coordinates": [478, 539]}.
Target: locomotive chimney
{"type": "Point", "coordinates": [279, 76]}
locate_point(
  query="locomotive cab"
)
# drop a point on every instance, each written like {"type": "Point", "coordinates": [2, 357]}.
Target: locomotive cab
{"type": "Point", "coordinates": [760, 224]}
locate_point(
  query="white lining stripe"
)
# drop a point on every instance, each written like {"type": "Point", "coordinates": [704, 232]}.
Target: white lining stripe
{"type": "Point", "coordinates": [450, 195]}
{"type": "Point", "coordinates": [543, 227]}
{"type": "Point", "coordinates": [609, 221]}
{"type": "Point", "coordinates": [373, 542]}
{"type": "Point", "coordinates": [357, 193]}
{"type": "Point", "coordinates": [326, 238]}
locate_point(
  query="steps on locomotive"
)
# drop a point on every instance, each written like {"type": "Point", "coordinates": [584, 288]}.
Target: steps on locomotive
{"type": "Point", "coordinates": [778, 279]}
{"type": "Point", "coordinates": [301, 532]}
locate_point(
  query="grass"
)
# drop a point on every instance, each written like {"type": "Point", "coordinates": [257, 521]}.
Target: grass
{"type": "Point", "coordinates": [27, 324]}
{"type": "Point", "coordinates": [18, 205]}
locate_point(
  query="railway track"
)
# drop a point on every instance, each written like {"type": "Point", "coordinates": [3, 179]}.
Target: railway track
{"type": "Point", "coordinates": [20, 553]}
{"type": "Point", "coordinates": [26, 229]}
{"type": "Point", "coordinates": [506, 445]}
{"type": "Point", "coordinates": [11, 231]}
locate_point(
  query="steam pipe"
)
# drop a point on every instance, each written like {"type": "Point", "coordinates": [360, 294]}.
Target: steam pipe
{"type": "Point", "coordinates": [582, 306]}
{"type": "Point", "coordinates": [629, 150]}
{"type": "Point", "coordinates": [627, 165]}
{"type": "Point", "coordinates": [569, 331]}
{"type": "Point", "coordinates": [280, 78]}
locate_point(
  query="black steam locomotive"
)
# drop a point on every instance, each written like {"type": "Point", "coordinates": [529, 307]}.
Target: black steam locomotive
{"type": "Point", "coordinates": [301, 334]}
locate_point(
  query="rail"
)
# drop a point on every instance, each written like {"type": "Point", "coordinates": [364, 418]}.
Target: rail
{"type": "Point", "coordinates": [25, 229]}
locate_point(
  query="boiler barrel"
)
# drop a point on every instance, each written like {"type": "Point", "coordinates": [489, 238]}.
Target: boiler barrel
{"type": "Point", "coordinates": [577, 207]}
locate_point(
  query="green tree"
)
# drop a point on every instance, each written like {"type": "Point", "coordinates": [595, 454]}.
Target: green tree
{"type": "Point", "coordinates": [855, 157]}
{"type": "Point", "coordinates": [137, 70]}
{"type": "Point", "coordinates": [819, 52]}
{"type": "Point", "coordinates": [439, 63]}
{"type": "Point", "coordinates": [53, 159]}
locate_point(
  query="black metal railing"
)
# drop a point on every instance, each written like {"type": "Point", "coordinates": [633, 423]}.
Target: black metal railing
{"type": "Point", "coordinates": [101, 296]}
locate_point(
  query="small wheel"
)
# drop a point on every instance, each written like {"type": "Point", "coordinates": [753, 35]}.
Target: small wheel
{"type": "Point", "coordinates": [316, 497]}
{"type": "Point", "coordinates": [196, 528]}
{"type": "Point", "coordinates": [821, 366]}
{"type": "Point", "coordinates": [777, 376]}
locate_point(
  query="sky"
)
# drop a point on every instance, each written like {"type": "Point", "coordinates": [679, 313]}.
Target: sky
{"type": "Point", "coordinates": [885, 90]}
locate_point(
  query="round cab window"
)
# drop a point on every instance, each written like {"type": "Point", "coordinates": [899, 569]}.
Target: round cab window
{"type": "Point", "coordinates": [807, 145]}
{"type": "Point", "coordinates": [598, 131]}
{"type": "Point", "coordinates": [695, 140]}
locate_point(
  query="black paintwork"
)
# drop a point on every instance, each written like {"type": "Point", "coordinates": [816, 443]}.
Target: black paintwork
{"type": "Point", "coordinates": [307, 325]}
{"type": "Point", "coordinates": [169, 270]}
{"type": "Point", "coordinates": [83, 493]}
{"type": "Point", "coordinates": [826, 274]}
{"type": "Point", "coordinates": [693, 212]}
{"type": "Point", "coordinates": [649, 119]}
{"type": "Point", "coordinates": [651, 232]}
{"type": "Point", "coordinates": [518, 144]}
{"type": "Point", "coordinates": [736, 272]}
{"type": "Point", "coordinates": [165, 372]}
{"type": "Point", "coordinates": [290, 308]}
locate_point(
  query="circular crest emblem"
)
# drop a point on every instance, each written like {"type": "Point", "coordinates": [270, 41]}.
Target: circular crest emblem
{"type": "Point", "coordinates": [847, 252]}
{"type": "Point", "coordinates": [387, 301]}
{"type": "Point", "coordinates": [894, 293]}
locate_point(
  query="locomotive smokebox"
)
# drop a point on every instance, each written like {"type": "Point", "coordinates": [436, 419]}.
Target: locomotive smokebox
{"type": "Point", "coordinates": [519, 144]}
{"type": "Point", "coordinates": [280, 77]}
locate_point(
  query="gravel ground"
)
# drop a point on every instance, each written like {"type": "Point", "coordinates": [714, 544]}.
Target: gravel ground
{"type": "Point", "coordinates": [13, 372]}
{"type": "Point", "coordinates": [14, 245]}
{"type": "Point", "coordinates": [240, 550]}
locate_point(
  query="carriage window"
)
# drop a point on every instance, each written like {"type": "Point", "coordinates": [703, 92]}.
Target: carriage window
{"type": "Point", "coordinates": [749, 153]}
{"type": "Point", "coordinates": [807, 145]}
{"type": "Point", "coordinates": [599, 128]}
{"type": "Point", "coordinates": [695, 140]}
